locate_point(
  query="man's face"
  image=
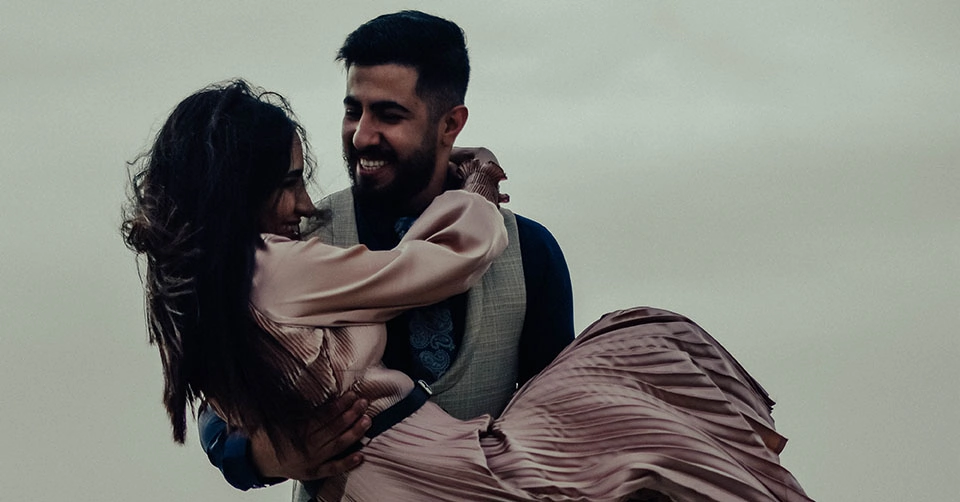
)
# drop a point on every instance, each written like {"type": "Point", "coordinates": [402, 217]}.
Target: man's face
{"type": "Point", "coordinates": [389, 139]}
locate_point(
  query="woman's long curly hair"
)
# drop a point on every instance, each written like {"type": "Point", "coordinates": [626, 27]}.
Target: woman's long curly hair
{"type": "Point", "coordinates": [193, 212]}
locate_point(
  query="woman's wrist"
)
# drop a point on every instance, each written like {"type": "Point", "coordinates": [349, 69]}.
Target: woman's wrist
{"type": "Point", "coordinates": [483, 179]}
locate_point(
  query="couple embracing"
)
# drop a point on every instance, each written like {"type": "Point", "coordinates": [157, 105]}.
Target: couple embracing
{"type": "Point", "coordinates": [415, 342]}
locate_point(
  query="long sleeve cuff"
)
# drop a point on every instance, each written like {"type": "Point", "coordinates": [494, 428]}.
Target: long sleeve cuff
{"type": "Point", "coordinates": [237, 468]}
{"type": "Point", "coordinates": [229, 452]}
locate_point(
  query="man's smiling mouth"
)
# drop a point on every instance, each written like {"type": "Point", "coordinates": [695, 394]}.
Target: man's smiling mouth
{"type": "Point", "coordinates": [371, 165]}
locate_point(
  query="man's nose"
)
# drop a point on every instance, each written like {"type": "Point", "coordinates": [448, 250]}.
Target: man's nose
{"type": "Point", "coordinates": [366, 134]}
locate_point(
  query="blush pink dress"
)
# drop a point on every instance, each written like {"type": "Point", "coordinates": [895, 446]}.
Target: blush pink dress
{"type": "Point", "coordinates": [643, 405]}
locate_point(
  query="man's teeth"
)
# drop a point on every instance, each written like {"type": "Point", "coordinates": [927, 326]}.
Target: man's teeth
{"type": "Point", "coordinates": [371, 165]}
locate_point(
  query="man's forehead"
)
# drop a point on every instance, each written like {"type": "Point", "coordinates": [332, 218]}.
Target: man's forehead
{"type": "Point", "coordinates": [382, 80]}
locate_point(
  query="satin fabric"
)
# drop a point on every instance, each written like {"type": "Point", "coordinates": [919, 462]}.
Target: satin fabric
{"type": "Point", "coordinates": [644, 405]}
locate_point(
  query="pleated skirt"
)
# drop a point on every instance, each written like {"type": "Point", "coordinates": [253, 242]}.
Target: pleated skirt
{"type": "Point", "coordinates": [644, 405]}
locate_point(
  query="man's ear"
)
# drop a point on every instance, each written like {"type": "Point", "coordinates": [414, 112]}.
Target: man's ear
{"type": "Point", "coordinates": [451, 124]}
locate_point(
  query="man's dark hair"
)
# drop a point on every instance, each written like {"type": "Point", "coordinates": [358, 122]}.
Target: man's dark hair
{"type": "Point", "coordinates": [433, 46]}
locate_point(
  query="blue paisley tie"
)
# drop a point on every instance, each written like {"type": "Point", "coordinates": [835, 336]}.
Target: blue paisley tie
{"type": "Point", "coordinates": [431, 327]}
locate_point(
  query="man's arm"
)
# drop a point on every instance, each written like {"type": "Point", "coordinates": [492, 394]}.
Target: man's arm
{"type": "Point", "coordinates": [228, 451]}
{"type": "Point", "coordinates": [253, 462]}
{"type": "Point", "coordinates": [548, 324]}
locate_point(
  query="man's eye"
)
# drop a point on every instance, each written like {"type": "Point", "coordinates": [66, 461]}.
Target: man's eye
{"type": "Point", "coordinates": [391, 118]}
{"type": "Point", "coordinates": [351, 113]}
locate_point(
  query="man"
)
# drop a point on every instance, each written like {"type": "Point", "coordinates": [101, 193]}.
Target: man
{"type": "Point", "coordinates": [407, 76]}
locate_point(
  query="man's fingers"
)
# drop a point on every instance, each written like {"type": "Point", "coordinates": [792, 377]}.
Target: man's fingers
{"type": "Point", "coordinates": [333, 448]}
{"type": "Point", "coordinates": [334, 437]}
{"type": "Point", "coordinates": [341, 418]}
{"type": "Point", "coordinates": [337, 467]}
{"type": "Point", "coordinates": [349, 437]}
{"type": "Point", "coordinates": [338, 406]}
{"type": "Point", "coordinates": [332, 413]}
{"type": "Point", "coordinates": [339, 425]}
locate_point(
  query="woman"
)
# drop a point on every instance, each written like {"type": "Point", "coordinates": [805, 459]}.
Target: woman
{"type": "Point", "coordinates": [644, 405]}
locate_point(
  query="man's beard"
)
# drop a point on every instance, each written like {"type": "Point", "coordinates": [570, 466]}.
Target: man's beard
{"type": "Point", "coordinates": [411, 176]}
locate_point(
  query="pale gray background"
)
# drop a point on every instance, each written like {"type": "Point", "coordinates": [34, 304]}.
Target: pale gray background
{"type": "Point", "coordinates": [784, 174]}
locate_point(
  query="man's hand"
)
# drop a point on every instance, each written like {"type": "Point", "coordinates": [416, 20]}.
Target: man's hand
{"type": "Point", "coordinates": [342, 425]}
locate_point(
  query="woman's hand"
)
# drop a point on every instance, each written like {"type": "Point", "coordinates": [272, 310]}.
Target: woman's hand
{"type": "Point", "coordinates": [477, 170]}
{"type": "Point", "coordinates": [461, 154]}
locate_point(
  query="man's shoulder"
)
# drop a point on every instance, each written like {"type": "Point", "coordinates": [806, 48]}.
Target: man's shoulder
{"type": "Point", "coordinates": [534, 234]}
{"type": "Point", "coordinates": [344, 196]}
{"type": "Point", "coordinates": [338, 222]}
{"type": "Point", "coordinates": [539, 249]}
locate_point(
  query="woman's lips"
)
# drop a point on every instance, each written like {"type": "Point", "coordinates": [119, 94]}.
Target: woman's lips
{"type": "Point", "coordinates": [292, 230]}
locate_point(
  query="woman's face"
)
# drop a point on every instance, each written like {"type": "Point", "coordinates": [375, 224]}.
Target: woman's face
{"type": "Point", "coordinates": [290, 202]}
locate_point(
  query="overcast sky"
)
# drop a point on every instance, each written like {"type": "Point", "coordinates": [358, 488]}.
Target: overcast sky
{"type": "Point", "coordinates": [785, 175]}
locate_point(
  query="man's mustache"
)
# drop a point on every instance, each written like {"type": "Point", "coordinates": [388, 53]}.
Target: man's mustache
{"type": "Point", "coordinates": [373, 152]}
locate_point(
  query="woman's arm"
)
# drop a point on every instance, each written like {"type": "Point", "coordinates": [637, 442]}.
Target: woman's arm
{"type": "Point", "coordinates": [444, 253]}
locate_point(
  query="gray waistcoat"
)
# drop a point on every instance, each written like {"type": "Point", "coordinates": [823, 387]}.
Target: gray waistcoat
{"type": "Point", "coordinates": [479, 380]}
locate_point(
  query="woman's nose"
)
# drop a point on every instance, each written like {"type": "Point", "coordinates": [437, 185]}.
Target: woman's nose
{"type": "Point", "coordinates": [304, 207]}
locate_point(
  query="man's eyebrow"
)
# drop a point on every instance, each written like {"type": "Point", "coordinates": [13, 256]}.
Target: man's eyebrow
{"type": "Point", "coordinates": [378, 106]}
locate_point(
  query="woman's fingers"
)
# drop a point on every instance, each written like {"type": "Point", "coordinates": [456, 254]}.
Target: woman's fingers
{"type": "Point", "coordinates": [462, 154]}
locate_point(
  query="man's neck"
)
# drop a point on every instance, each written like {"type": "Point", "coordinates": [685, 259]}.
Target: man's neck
{"type": "Point", "coordinates": [418, 204]}
{"type": "Point", "coordinates": [384, 212]}
{"type": "Point", "coordinates": [398, 209]}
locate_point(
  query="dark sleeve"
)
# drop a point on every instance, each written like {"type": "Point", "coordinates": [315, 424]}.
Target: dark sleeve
{"type": "Point", "coordinates": [227, 451]}
{"type": "Point", "coordinates": [548, 324]}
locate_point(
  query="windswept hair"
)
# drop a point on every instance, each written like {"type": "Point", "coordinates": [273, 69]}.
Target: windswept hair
{"type": "Point", "coordinates": [193, 211]}
{"type": "Point", "coordinates": [434, 46]}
